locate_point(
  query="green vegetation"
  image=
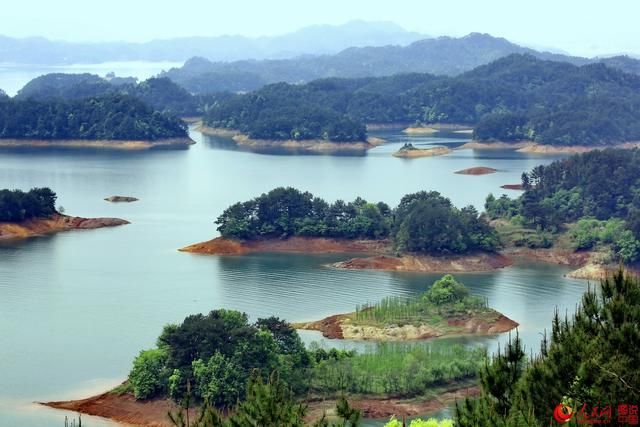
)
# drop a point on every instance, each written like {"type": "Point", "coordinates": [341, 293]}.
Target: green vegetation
{"type": "Point", "coordinates": [220, 361]}
{"type": "Point", "coordinates": [216, 354]}
{"type": "Point", "coordinates": [112, 117]}
{"type": "Point", "coordinates": [160, 93]}
{"type": "Point", "coordinates": [267, 404]}
{"type": "Point", "coordinates": [590, 360]}
{"type": "Point", "coordinates": [514, 98]}
{"type": "Point", "coordinates": [418, 422]}
{"type": "Point", "coordinates": [595, 195]}
{"type": "Point", "coordinates": [445, 298]}
{"type": "Point", "coordinates": [16, 205]}
{"type": "Point", "coordinates": [423, 222]}
{"type": "Point", "coordinates": [397, 370]}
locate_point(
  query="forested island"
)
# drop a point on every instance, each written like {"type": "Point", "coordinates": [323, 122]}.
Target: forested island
{"type": "Point", "coordinates": [33, 213]}
{"type": "Point", "coordinates": [516, 98]}
{"type": "Point", "coordinates": [425, 232]}
{"type": "Point", "coordinates": [111, 121]}
{"type": "Point", "coordinates": [446, 308]}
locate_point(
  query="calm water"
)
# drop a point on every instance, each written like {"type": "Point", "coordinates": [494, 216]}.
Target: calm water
{"type": "Point", "coordinates": [14, 76]}
{"type": "Point", "coordinates": [75, 308]}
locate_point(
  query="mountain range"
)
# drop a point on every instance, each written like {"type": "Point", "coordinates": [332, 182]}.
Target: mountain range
{"type": "Point", "coordinates": [440, 56]}
{"type": "Point", "coordinates": [317, 40]}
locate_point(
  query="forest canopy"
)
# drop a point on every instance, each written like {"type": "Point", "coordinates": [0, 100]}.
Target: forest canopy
{"type": "Point", "coordinates": [597, 193]}
{"type": "Point", "coordinates": [514, 98]}
{"type": "Point", "coordinates": [110, 117]}
{"type": "Point", "coordinates": [423, 222]}
{"type": "Point", "coordinates": [17, 205]}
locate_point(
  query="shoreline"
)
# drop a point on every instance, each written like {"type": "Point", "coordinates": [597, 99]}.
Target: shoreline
{"type": "Point", "coordinates": [103, 144]}
{"type": "Point", "coordinates": [377, 252]}
{"type": "Point", "coordinates": [341, 326]}
{"type": "Point", "coordinates": [421, 152]}
{"type": "Point", "coordinates": [124, 408]}
{"type": "Point", "coordinates": [531, 147]}
{"type": "Point", "coordinates": [54, 224]}
{"type": "Point", "coordinates": [316, 146]}
{"type": "Point", "coordinates": [378, 255]}
{"type": "Point", "coordinates": [431, 128]}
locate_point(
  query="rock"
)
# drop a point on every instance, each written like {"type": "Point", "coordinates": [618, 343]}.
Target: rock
{"type": "Point", "coordinates": [118, 199]}
{"type": "Point", "coordinates": [480, 170]}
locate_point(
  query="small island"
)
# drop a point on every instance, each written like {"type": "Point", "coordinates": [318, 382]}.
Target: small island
{"type": "Point", "coordinates": [121, 199]}
{"type": "Point", "coordinates": [479, 170]}
{"type": "Point", "coordinates": [408, 151]}
{"type": "Point", "coordinates": [445, 309]}
{"type": "Point", "coordinates": [33, 213]}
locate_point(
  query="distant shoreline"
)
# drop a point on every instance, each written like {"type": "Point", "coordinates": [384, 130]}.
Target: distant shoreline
{"type": "Point", "coordinates": [532, 147]}
{"type": "Point", "coordinates": [320, 146]}
{"type": "Point", "coordinates": [102, 144]}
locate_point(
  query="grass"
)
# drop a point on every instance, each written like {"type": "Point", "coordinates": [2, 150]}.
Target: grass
{"type": "Point", "coordinates": [398, 370]}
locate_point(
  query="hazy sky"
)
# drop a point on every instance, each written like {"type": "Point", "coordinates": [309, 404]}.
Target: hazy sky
{"type": "Point", "coordinates": [586, 27]}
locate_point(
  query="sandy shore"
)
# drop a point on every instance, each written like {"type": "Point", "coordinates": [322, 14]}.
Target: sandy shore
{"type": "Point", "coordinates": [57, 223]}
{"type": "Point", "coordinates": [421, 152]}
{"type": "Point", "coordinates": [318, 146]}
{"type": "Point", "coordinates": [224, 246]}
{"type": "Point", "coordinates": [378, 249]}
{"type": "Point", "coordinates": [437, 127]}
{"type": "Point", "coordinates": [104, 144]}
{"type": "Point", "coordinates": [535, 148]}
{"type": "Point", "coordinates": [344, 326]}
{"type": "Point", "coordinates": [477, 262]}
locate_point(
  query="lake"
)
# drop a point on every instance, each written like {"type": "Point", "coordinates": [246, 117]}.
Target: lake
{"type": "Point", "coordinates": [77, 307]}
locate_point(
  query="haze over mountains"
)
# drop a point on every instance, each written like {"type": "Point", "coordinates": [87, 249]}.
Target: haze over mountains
{"type": "Point", "coordinates": [440, 56]}
{"type": "Point", "coordinates": [317, 40]}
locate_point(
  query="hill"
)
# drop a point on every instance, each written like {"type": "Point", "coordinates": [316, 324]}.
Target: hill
{"type": "Point", "coordinates": [441, 56]}
{"type": "Point", "coordinates": [515, 98]}
{"type": "Point", "coordinates": [320, 39]}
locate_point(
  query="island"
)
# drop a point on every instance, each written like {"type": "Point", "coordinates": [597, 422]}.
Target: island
{"type": "Point", "coordinates": [408, 151]}
{"type": "Point", "coordinates": [506, 104]}
{"type": "Point", "coordinates": [319, 145]}
{"type": "Point", "coordinates": [121, 199]}
{"type": "Point", "coordinates": [445, 309]}
{"type": "Point", "coordinates": [224, 365]}
{"type": "Point", "coordinates": [402, 239]}
{"type": "Point", "coordinates": [479, 170]}
{"type": "Point", "coordinates": [112, 121]}
{"type": "Point", "coordinates": [33, 213]}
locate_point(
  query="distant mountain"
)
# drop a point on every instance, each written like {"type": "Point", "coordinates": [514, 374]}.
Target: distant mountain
{"type": "Point", "coordinates": [441, 56]}
{"type": "Point", "coordinates": [317, 40]}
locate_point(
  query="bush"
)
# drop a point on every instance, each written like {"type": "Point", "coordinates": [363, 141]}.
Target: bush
{"type": "Point", "coordinates": [149, 374]}
{"type": "Point", "coordinates": [447, 290]}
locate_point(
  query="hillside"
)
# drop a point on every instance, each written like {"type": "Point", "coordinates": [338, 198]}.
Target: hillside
{"type": "Point", "coordinates": [441, 56]}
{"type": "Point", "coordinates": [111, 117]}
{"type": "Point", "coordinates": [515, 98]}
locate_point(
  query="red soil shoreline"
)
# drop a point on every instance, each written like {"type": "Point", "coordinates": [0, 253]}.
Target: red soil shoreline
{"type": "Point", "coordinates": [54, 224]}
{"type": "Point", "coordinates": [124, 408]}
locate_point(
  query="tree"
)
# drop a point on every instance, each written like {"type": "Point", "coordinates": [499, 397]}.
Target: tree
{"type": "Point", "coordinates": [149, 374]}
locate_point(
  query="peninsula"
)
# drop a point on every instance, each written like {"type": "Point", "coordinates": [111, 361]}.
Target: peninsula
{"type": "Point", "coordinates": [33, 213]}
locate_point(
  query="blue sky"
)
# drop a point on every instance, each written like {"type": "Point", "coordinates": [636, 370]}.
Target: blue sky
{"type": "Point", "coordinates": [584, 27]}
